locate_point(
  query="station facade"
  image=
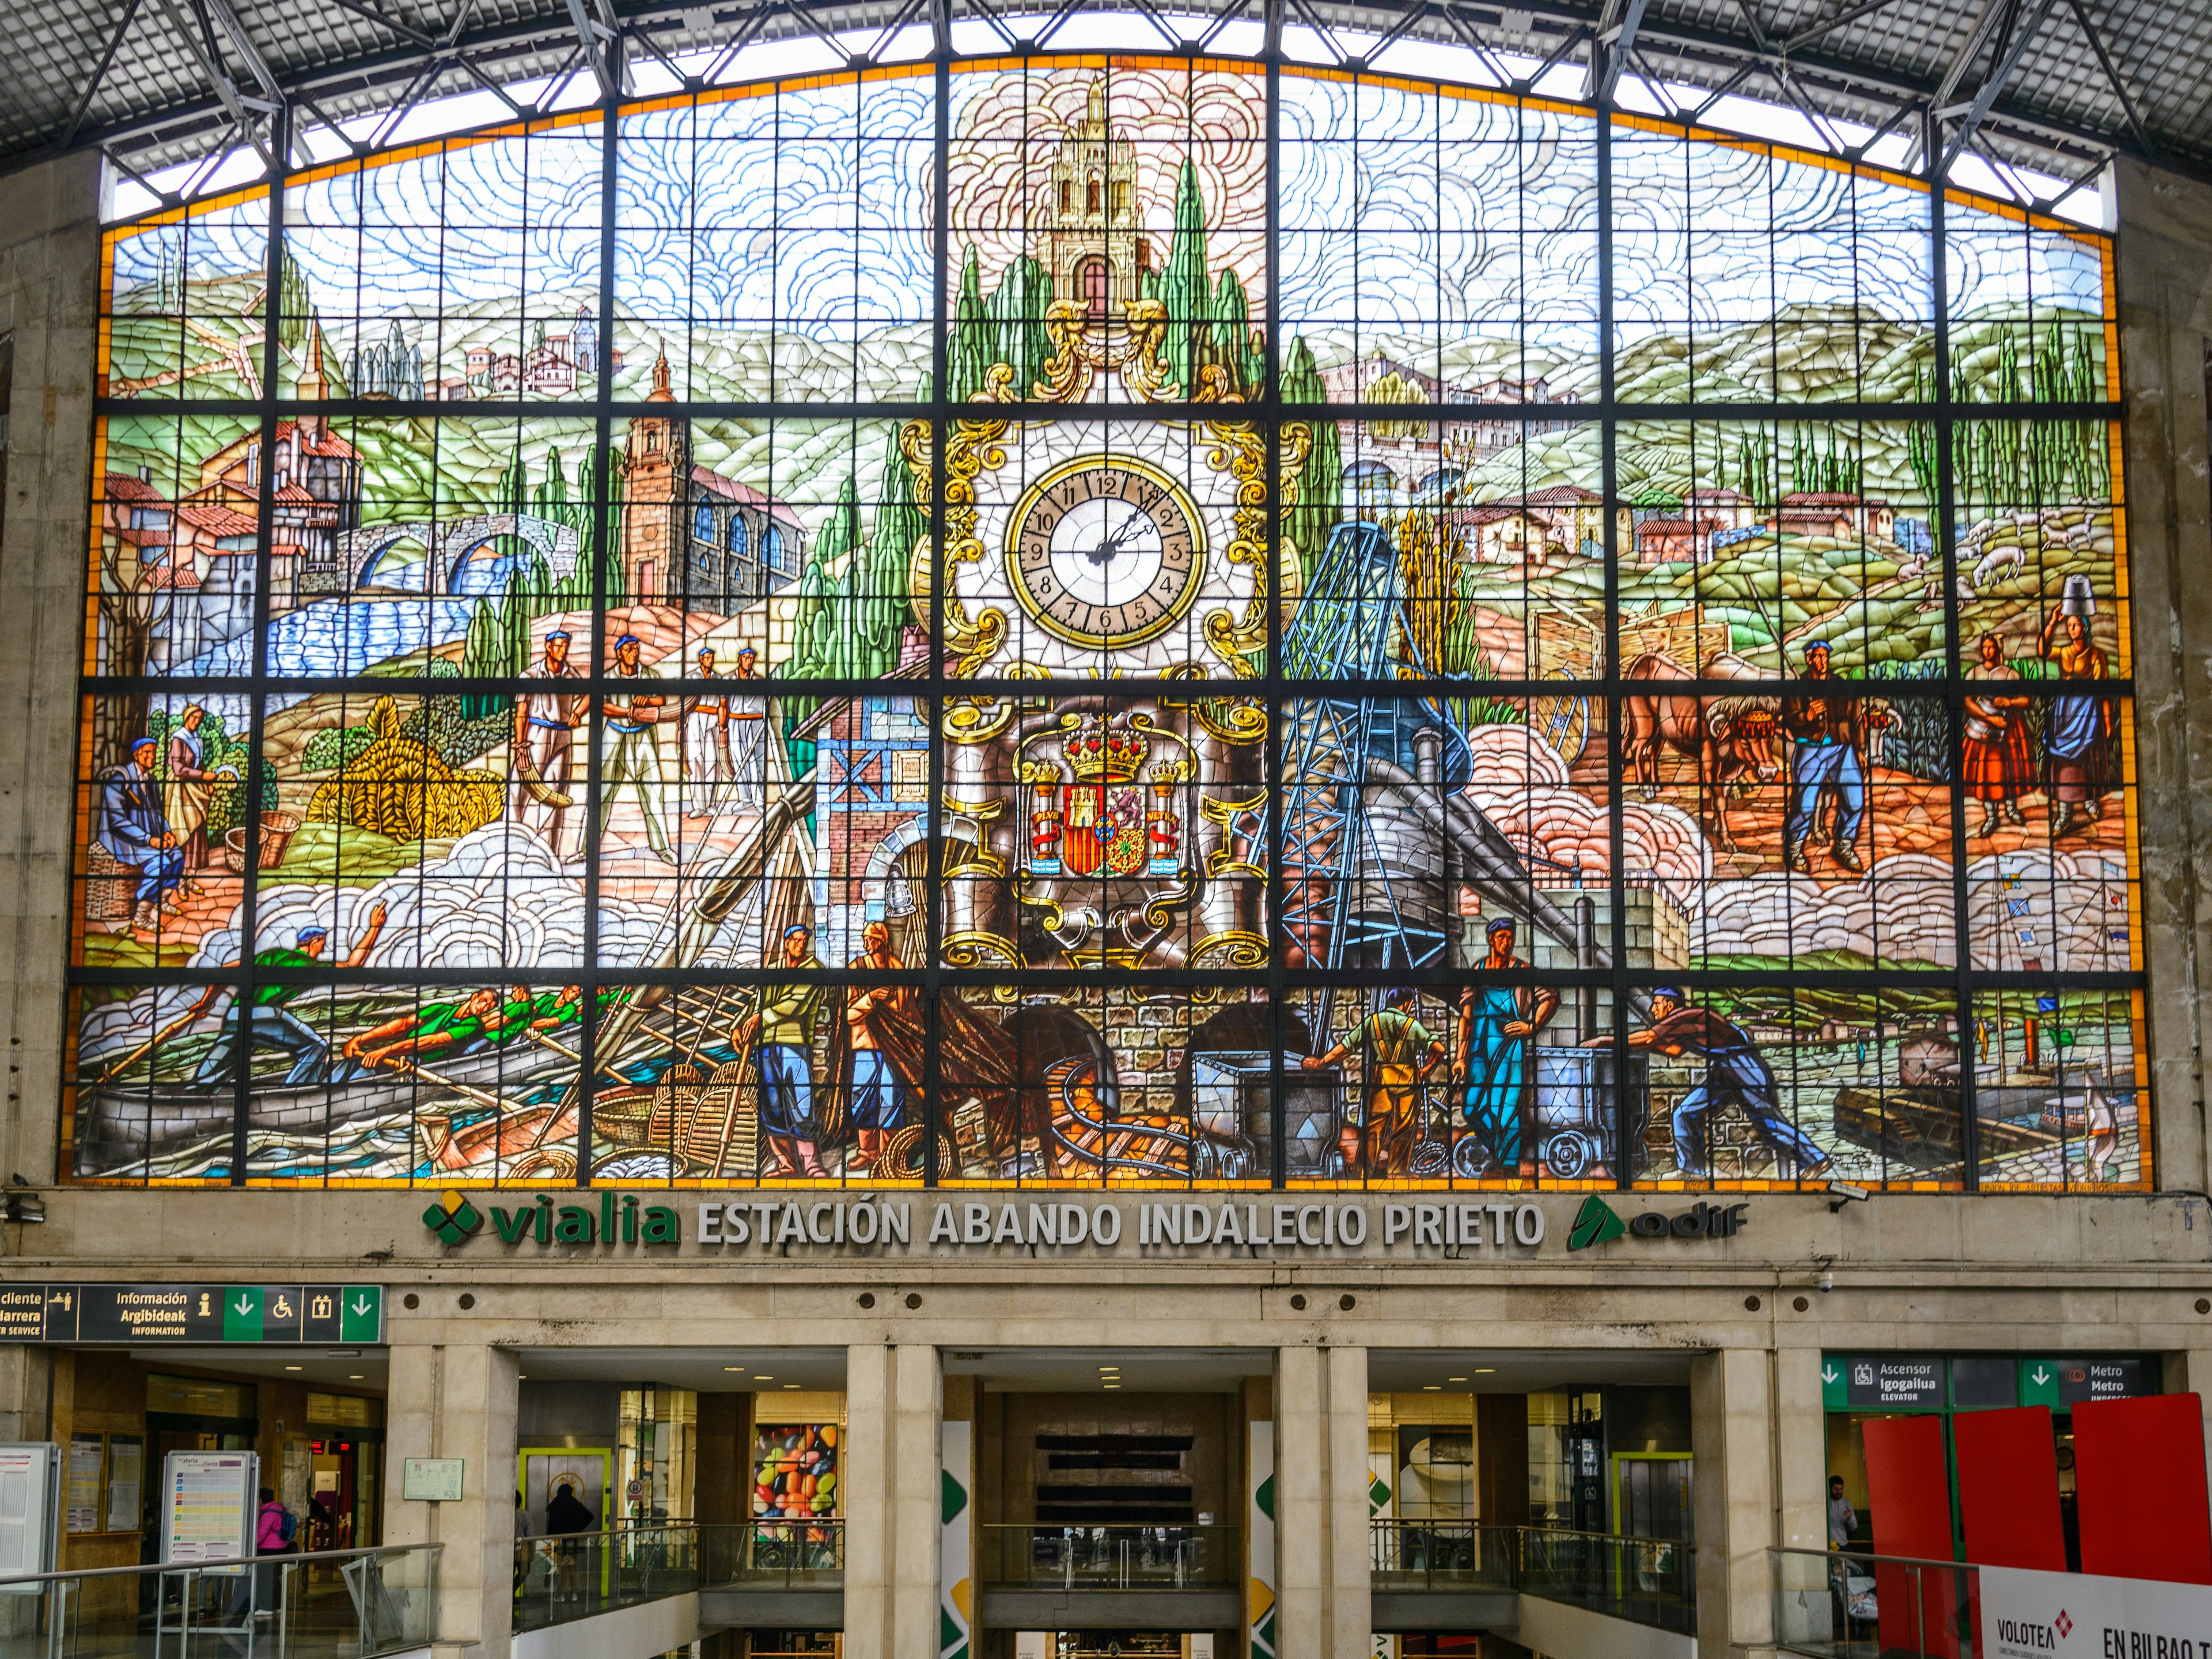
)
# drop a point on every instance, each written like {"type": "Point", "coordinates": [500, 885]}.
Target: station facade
{"type": "Point", "coordinates": [1306, 1372]}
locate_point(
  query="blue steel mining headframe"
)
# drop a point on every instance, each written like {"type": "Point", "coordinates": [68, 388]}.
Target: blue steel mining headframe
{"type": "Point", "coordinates": [1378, 837]}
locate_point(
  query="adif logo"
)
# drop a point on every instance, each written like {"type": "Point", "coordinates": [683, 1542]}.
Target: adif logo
{"type": "Point", "coordinates": [2062, 1625]}
{"type": "Point", "coordinates": [1594, 1224]}
{"type": "Point", "coordinates": [454, 1218]}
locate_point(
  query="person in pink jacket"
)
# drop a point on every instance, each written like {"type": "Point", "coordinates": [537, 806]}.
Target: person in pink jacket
{"type": "Point", "coordinates": [258, 1588]}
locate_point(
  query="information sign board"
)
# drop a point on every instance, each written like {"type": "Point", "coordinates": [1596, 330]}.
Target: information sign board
{"type": "Point", "coordinates": [208, 1504]}
{"type": "Point", "coordinates": [431, 1480]}
{"type": "Point", "coordinates": [351, 1314]}
{"type": "Point", "coordinates": [2061, 1382]}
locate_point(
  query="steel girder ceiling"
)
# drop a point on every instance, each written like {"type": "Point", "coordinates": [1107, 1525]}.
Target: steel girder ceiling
{"type": "Point", "coordinates": [2053, 85]}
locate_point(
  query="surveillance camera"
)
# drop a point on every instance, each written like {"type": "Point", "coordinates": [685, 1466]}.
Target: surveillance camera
{"type": "Point", "coordinates": [1827, 1282]}
{"type": "Point", "coordinates": [1841, 1192]}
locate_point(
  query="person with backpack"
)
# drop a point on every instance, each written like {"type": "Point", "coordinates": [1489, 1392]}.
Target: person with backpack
{"type": "Point", "coordinates": [274, 1529]}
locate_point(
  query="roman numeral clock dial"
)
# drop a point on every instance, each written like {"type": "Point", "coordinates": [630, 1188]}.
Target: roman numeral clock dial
{"type": "Point", "coordinates": [1106, 553]}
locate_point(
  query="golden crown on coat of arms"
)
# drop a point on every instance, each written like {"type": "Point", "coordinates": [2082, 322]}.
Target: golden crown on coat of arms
{"type": "Point", "coordinates": [1097, 752]}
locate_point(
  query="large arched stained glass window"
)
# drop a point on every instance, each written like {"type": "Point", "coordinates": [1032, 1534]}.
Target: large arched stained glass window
{"type": "Point", "coordinates": [1379, 633]}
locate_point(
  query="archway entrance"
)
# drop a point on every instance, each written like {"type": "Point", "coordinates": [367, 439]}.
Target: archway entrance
{"type": "Point", "coordinates": [1094, 280]}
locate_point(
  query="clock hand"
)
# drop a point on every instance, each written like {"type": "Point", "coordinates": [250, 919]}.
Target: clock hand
{"type": "Point", "coordinates": [1105, 552]}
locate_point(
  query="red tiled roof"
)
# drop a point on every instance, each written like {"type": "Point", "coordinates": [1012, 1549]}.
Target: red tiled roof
{"type": "Point", "coordinates": [169, 575]}
{"type": "Point", "coordinates": [313, 443]}
{"type": "Point", "coordinates": [744, 494]}
{"type": "Point", "coordinates": [216, 520]}
{"type": "Point", "coordinates": [129, 487]}
{"type": "Point", "coordinates": [1563, 496]}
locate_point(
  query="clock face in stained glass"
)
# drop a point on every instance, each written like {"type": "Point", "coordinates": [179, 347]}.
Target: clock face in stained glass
{"type": "Point", "coordinates": [1106, 552]}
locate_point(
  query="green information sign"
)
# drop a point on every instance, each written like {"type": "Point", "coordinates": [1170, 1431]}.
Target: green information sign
{"type": "Point", "coordinates": [349, 1314]}
{"type": "Point", "coordinates": [242, 1314]}
{"type": "Point", "coordinates": [360, 1314]}
{"type": "Point", "coordinates": [1835, 1392]}
{"type": "Point", "coordinates": [2062, 1383]}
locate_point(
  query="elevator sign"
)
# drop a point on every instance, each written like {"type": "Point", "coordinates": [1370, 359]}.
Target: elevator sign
{"type": "Point", "coordinates": [1852, 1381]}
{"type": "Point", "coordinates": [345, 1314]}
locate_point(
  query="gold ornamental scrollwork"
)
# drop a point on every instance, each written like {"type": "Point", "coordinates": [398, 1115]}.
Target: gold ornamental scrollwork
{"type": "Point", "coordinates": [1235, 948]}
{"type": "Point", "coordinates": [1068, 372]}
{"type": "Point", "coordinates": [1232, 720]}
{"type": "Point", "coordinates": [1237, 448]}
{"type": "Point", "coordinates": [975, 448]}
{"type": "Point", "coordinates": [1222, 862]}
{"type": "Point", "coordinates": [977, 948]}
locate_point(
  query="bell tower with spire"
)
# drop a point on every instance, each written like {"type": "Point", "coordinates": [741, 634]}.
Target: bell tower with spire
{"type": "Point", "coordinates": [1090, 216]}
{"type": "Point", "coordinates": [657, 477]}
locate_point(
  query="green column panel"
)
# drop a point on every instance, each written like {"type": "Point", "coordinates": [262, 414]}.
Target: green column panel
{"type": "Point", "coordinates": [242, 1314]}
{"type": "Point", "coordinates": [360, 1314]}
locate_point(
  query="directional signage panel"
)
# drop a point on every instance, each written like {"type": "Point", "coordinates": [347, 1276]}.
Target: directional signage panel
{"type": "Point", "coordinates": [1850, 1381]}
{"type": "Point", "coordinates": [2060, 1383]}
{"type": "Point", "coordinates": [349, 1314]}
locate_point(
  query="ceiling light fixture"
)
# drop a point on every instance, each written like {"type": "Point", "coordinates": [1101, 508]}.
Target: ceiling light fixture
{"type": "Point", "coordinates": [733, 1368]}
{"type": "Point", "coordinates": [1455, 1379]}
{"type": "Point", "coordinates": [356, 1376]}
{"type": "Point", "coordinates": [1484, 1370]}
{"type": "Point", "coordinates": [1432, 1388]}
{"type": "Point", "coordinates": [295, 1368]}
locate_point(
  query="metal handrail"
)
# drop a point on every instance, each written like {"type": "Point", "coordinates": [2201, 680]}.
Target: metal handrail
{"type": "Point", "coordinates": [580, 1575]}
{"type": "Point", "coordinates": [1817, 1611]}
{"type": "Point", "coordinates": [1111, 1554]}
{"type": "Point", "coordinates": [1639, 1578]}
{"type": "Point", "coordinates": [271, 1558]}
{"type": "Point", "coordinates": [262, 1601]}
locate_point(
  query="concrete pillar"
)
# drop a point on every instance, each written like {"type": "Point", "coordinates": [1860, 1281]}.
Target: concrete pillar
{"type": "Point", "coordinates": [1731, 1438]}
{"type": "Point", "coordinates": [458, 1400]}
{"type": "Point", "coordinates": [891, 1409]}
{"type": "Point", "coordinates": [1801, 1450]}
{"type": "Point", "coordinates": [2164, 228]}
{"type": "Point", "coordinates": [26, 1392]}
{"type": "Point", "coordinates": [1321, 1484]}
{"type": "Point", "coordinates": [49, 302]}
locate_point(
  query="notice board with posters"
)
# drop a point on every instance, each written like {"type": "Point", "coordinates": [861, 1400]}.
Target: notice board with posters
{"type": "Point", "coordinates": [209, 1500]}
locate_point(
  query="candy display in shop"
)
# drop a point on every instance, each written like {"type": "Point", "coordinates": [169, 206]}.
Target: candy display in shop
{"type": "Point", "coordinates": [795, 1471]}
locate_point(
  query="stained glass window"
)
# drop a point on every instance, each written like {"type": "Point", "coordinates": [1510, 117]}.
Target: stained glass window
{"type": "Point", "coordinates": [1107, 621]}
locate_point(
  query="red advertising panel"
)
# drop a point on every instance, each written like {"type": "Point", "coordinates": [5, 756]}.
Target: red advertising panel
{"type": "Point", "coordinates": [2008, 1488]}
{"type": "Point", "coordinates": [2139, 1488]}
{"type": "Point", "coordinates": [1909, 1501]}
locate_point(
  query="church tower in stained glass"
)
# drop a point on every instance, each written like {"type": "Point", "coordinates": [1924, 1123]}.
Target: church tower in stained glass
{"type": "Point", "coordinates": [657, 466]}
{"type": "Point", "coordinates": [1093, 244]}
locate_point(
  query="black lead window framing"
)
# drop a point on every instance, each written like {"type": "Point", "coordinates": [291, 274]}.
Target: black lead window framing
{"type": "Point", "coordinates": [1281, 696]}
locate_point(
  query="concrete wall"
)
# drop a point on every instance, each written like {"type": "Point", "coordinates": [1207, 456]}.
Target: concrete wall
{"type": "Point", "coordinates": [2165, 260]}
{"type": "Point", "coordinates": [48, 299]}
